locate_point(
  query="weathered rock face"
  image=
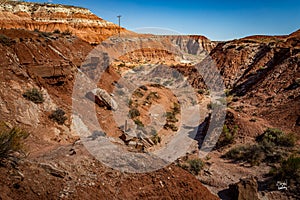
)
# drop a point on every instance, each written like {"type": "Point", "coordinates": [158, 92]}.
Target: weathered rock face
{"type": "Point", "coordinates": [102, 98]}
{"type": "Point", "coordinates": [244, 190]}
{"type": "Point", "coordinates": [49, 17]}
{"type": "Point", "coordinates": [169, 50]}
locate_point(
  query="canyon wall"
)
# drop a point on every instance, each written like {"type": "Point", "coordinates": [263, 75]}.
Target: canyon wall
{"type": "Point", "coordinates": [51, 17]}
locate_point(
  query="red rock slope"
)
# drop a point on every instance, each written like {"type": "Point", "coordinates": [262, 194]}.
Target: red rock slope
{"type": "Point", "coordinates": [50, 17]}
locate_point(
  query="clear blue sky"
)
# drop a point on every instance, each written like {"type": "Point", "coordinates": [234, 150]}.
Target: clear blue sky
{"type": "Point", "coordinates": [216, 19]}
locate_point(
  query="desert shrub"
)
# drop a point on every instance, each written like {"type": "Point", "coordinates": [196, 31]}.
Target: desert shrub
{"type": "Point", "coordinates": [173, 127]}
{"type": "Point", "coordinates": [143, 87]}
{"type": "Point", "coordinates": [288, 171]}
{"type": "Point", "coordinates": [176, 108]}
{"type": "Point", "coordinates": [11, 140]}
{"type": "Point", "coordinates": [201, 91]}
{"type": "Point", "coordinates": [139, 123]}
{"type": "Point", "coordinates": [34, 95]}
{"type": "Point", "coordinates": [6, 40]}
{"type": "Point", "coordinates": [133, 113]}
{"type": "Point", "coordinates": [56, 31]}
{"type": "Point", "coordinates": [289, 168]}
{"type": "Point", "coordinates": [67, 32]}
{"type": "Point", "coordinates": [171, 117]}
{"type": "Point", "coordinates": [227, 136]}
{"type": "Point", "coordinates": [156, 139]}
{"type": "Point", "coordinates": [212, 105]}
{"type": "Point", "coordinates": [138, 93]}
{"type": "Point", "coordinates": [58, 116]}
{"type": "Point", "coordinates": [277, 137]}
{"type": "Point", "coordinates": [252, 154]}
{"type": "Point", "coordinates": [152, 95]}
{"type": "Point", "coordinates": [195, 166]}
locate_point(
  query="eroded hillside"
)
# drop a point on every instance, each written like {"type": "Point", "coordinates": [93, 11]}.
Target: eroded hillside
{"type": "Point", "coordinates": [261, 75]}
{"type": "Point", "coordinates": [59, 18]}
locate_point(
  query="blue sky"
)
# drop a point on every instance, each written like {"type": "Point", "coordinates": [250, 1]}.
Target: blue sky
{"type": "Point", "coordinates": [216, 19]}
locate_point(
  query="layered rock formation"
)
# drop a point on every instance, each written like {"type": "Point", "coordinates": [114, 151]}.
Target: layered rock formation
{"type": "Point", "coordinates": [49, 18]}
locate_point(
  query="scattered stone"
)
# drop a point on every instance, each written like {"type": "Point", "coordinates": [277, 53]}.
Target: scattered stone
{"type": "Point", "coordinates": [53, 171]}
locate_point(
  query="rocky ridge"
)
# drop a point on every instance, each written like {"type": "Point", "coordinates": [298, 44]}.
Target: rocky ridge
{"type": "Point", "coordinates": [51, 17]}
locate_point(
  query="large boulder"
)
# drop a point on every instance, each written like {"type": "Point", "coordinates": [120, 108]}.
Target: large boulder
{"type": "Point", "coordinates": [245, 189]}
{"type": "Point", "coordinates": [102, 98]}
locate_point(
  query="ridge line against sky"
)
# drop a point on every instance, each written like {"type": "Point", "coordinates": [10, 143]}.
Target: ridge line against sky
{"type": "Point", "coordinates": [215, 19]}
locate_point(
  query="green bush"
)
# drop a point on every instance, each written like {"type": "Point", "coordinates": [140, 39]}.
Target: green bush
{"type": "Point", "coordinates": [176, 108]}
{"type": "Point", "coordinates": [156, 139]}
{"type": "Point", "coordinates": [252, 154]}
{"type": "Point", "coordinates": [290, 168]}
{"type": "Point", "coordinates": [133, 113]}
{"type": "Point", "coordinates": [173, 127]}
{"type": "Point", "coordinates": [171, 117]}
{"type": "Point", "coordinates": [139, 123]}
{"type": "Point", "coordinates": [58, 116]}
{"type": "Point", "coordinates": [195, 166]}
{"type": "Point", "coordinates": [277, 137]}
{"type": "Point", "coordinates": [11, 141]}
{"type": "Point", "coordinates": [227, 136]}
{"type": "Point", "coordinates": [34, 95]}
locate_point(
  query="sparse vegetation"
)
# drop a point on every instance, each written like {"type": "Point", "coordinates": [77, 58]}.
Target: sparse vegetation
{"type": "Point", "coordinates": [272, 147]}
{"type": "Point", "coordinates": [138, 93]}
{"type": "Point", "coordinates": [139, 123]}
{"type": "Point", "coordinates": [6, 40]}
{"type": "Point", "coordinates": [58, 116]}
{"type": "Point", "coordinates": [173, 127]}
{"type": "Point", "coordinates": [171, 117]}
{"type": "Point", "coordinates": [11, 140]}
{"type": "Point", "coordinates": [195, 166]}
{"type": "Point", "coordinates": [227, 136]}
{"type": "Point", "coordinates": [143, 87]}
{"type": "Point", "coordinates": [56, 31]}
{"type": "Point", "coordinates": [152, 95]}
{"type": "Point", "coordinates": [289, 169]}
{"type": "Point", "coordinates": [252, 154]}
{"type": "Point", "coordinates": [212, 105]}
{"type": "Point", "coordinates": [276, 137]}
{"type": "Point", "coordinates": [133, 113]}
{"type": "Point", "coordinates": [203, 91]}
{"type": "Point", "coordinates": [156, 139]}
{"type": "Point", "coordinates": [67, 32]}
{"type": "Point", "coordinates": [176, 108]}
{"type": "Point", "coordinates": [34, 95]}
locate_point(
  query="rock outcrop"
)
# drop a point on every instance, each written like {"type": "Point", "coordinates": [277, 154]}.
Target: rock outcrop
{"type": "Point", "coordinates": [245, 189]}
{"type": "Point", "coordinates": [102, 98]}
